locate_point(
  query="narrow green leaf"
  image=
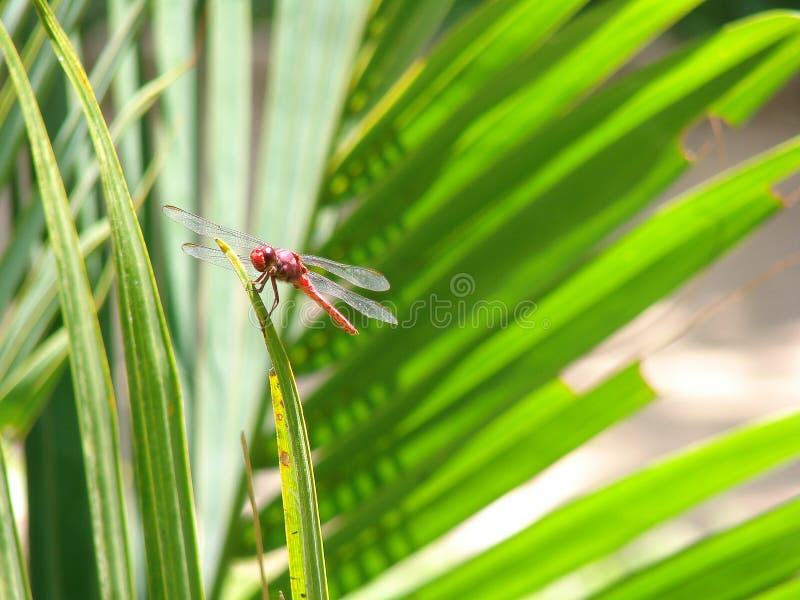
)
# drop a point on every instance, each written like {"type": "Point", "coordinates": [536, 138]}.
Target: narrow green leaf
{"type": "Point", "coordinates": [40, 74]}
{"type": "Point", "coordinates": [315, 42]}
{"type": "Point", "coordinates": [221, 358]}
{"type": "Point", "coordinates": [157, 408]}
{"type": "Point", "coordinates": [303, 534]}
{"type": "Point", "coordinates": [24, 392]}
{"type": "Point", "coordinates": [13, 572]}
{"type": "Point", "coordinates": [394, 36]}
{"type": "Point", "coordinates": [520, 205]}
{"type": "Point", "coordinates": [27, 229]}
{"type": "Point", "coordinates": [291, 494]}
{"type": "Point", "coordinates": [125, 85]}
{"type": "Point", "coordinates": [90, 372]}
{"type": "Point", "coordinates": [600, 523]}
{"type": "Point", "coordinates": [29, 53]}
{"type": "Point", "coordinates": [173, 27]}
{"type": "Point", "coordinates": [34, 305]}
{"type": "Point", "coordinates": [754, 91]}
{"type": "Point", "coordinates": [58, 503]}
{"type": "Point", "coordinates": [423, 486]}
{"type": "Point", "coordinates": [737, 563]}
{"type": "Point", "coordinates": [786, 591]}
{"type": "Point", "coordinates": [504, 84]}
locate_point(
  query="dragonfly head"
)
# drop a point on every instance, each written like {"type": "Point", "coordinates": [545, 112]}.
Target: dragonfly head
{"type": "Point", "coordinates": [263, 258]}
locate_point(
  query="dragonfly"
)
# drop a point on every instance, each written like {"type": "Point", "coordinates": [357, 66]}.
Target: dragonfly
{"type": "Point", "coordinates": [265, 263]}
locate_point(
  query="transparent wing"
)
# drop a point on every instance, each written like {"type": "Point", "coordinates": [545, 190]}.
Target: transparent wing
{"type": "Point", "coordinates": [368, 307]}
{"type": "Point", "coordinates": [209, 229]}
{"type": "Point", "coordinates": [215, 256]}
{"type": "Point", "coordinates": [368, 279]}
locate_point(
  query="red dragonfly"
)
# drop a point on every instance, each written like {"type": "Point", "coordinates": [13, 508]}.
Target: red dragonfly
{"type": "Point", "coordinates": [267, 263]}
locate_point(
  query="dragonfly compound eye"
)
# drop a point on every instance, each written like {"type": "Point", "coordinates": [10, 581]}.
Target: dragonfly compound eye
{"type": "Point", "coordinates": [263, 257]}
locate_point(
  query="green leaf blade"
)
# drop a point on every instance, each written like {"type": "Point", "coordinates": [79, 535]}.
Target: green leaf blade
{"type": "Point", "coordinates": [736, 563]}
{"type": "Point", "coordinates": [160, 450]}
{"type": "Point", "coordinates": [173, 27]}
{"type": "Point", "coordinates": [222, 358]}
{"type": "Point", "coordinates": [461, 475]}
{"type": "Point", "coordinates": [13, 572]}
{"type": "Point", "coordinates": [91, 375]}
{"type": "Point", "coordinates": [299, 492]}
{"type": "Point", "coordinates": [582, 530]}
{"type": "Point", "coordinates": [788, 590]}
{"type": "Point", "coordinates": [305, 96]}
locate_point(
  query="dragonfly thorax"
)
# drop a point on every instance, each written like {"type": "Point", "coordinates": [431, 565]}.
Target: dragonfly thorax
{"type": "Point", "coordinates": [288, 266]}
{"type": "Point", "coordinates": [263, 258]}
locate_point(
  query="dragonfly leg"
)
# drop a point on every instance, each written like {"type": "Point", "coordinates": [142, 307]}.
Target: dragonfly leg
{"type": "Point", "coordinates": [275, 294]}
{"type": "Point", "coordinates": [260, 282]}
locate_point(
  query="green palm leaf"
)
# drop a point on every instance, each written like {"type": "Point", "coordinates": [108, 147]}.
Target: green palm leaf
{"type": "Point", "coordinates": [499, 161]}
{"type": "Point", "coordinates": [162, 463]}
{"type": "Point", "coordinates": [90, 372]}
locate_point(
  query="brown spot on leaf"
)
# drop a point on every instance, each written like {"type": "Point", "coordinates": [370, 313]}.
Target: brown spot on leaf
{"type": "Point", "coordinates": [285, 460]}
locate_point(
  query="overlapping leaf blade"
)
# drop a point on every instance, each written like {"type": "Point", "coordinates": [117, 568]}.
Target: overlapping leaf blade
{"type": "Point", "coordinates": [785, 591]}
{"type": "Point", "coordinates": [638, 279]}
{"type": "Point", "coordinates": [157, 409]}
{"type": "Point", "coordinates": [13, 573]}
{"type": "Point", "coordinates": [35, 306]}
{"type": "Point", "coordinates": [505, 202]}
{"type": "Point", "coordinates": [509, 78]}
{"type": "Point", "coordinates": [535, 252]}
{"type": "Point", "coordinates": [422, 490]}
{"type": "Point", "coordinates": [395, 35]}
{"type": "Point", "coordinates": [26, 388]}
{"type": "Point", "coordinates": [29, 226]}
{"type": "Point", "coordinates": [603, 521]}
{"type": "Point", "coordinates": [373, 409]}
{"type": "Point", "coordinates": [485, 43]}
{"type": "Point", "coordinates": [736, 563]}
{"type": "Point", "coordinates": [90, 372]}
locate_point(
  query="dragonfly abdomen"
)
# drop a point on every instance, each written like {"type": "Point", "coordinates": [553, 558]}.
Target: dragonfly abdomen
{"type": "Point", "coordinates": [305, 286]}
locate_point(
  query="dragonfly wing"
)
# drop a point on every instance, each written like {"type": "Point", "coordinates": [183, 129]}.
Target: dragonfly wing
{"type": "Point", "coordinates": [370, 308]}
{"type": "Point", "coordinates": [215, 256]}
{"type": "Point", "coordinates": [369, 279]}
{"type": "Point", "coordinates": [209, 229]}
